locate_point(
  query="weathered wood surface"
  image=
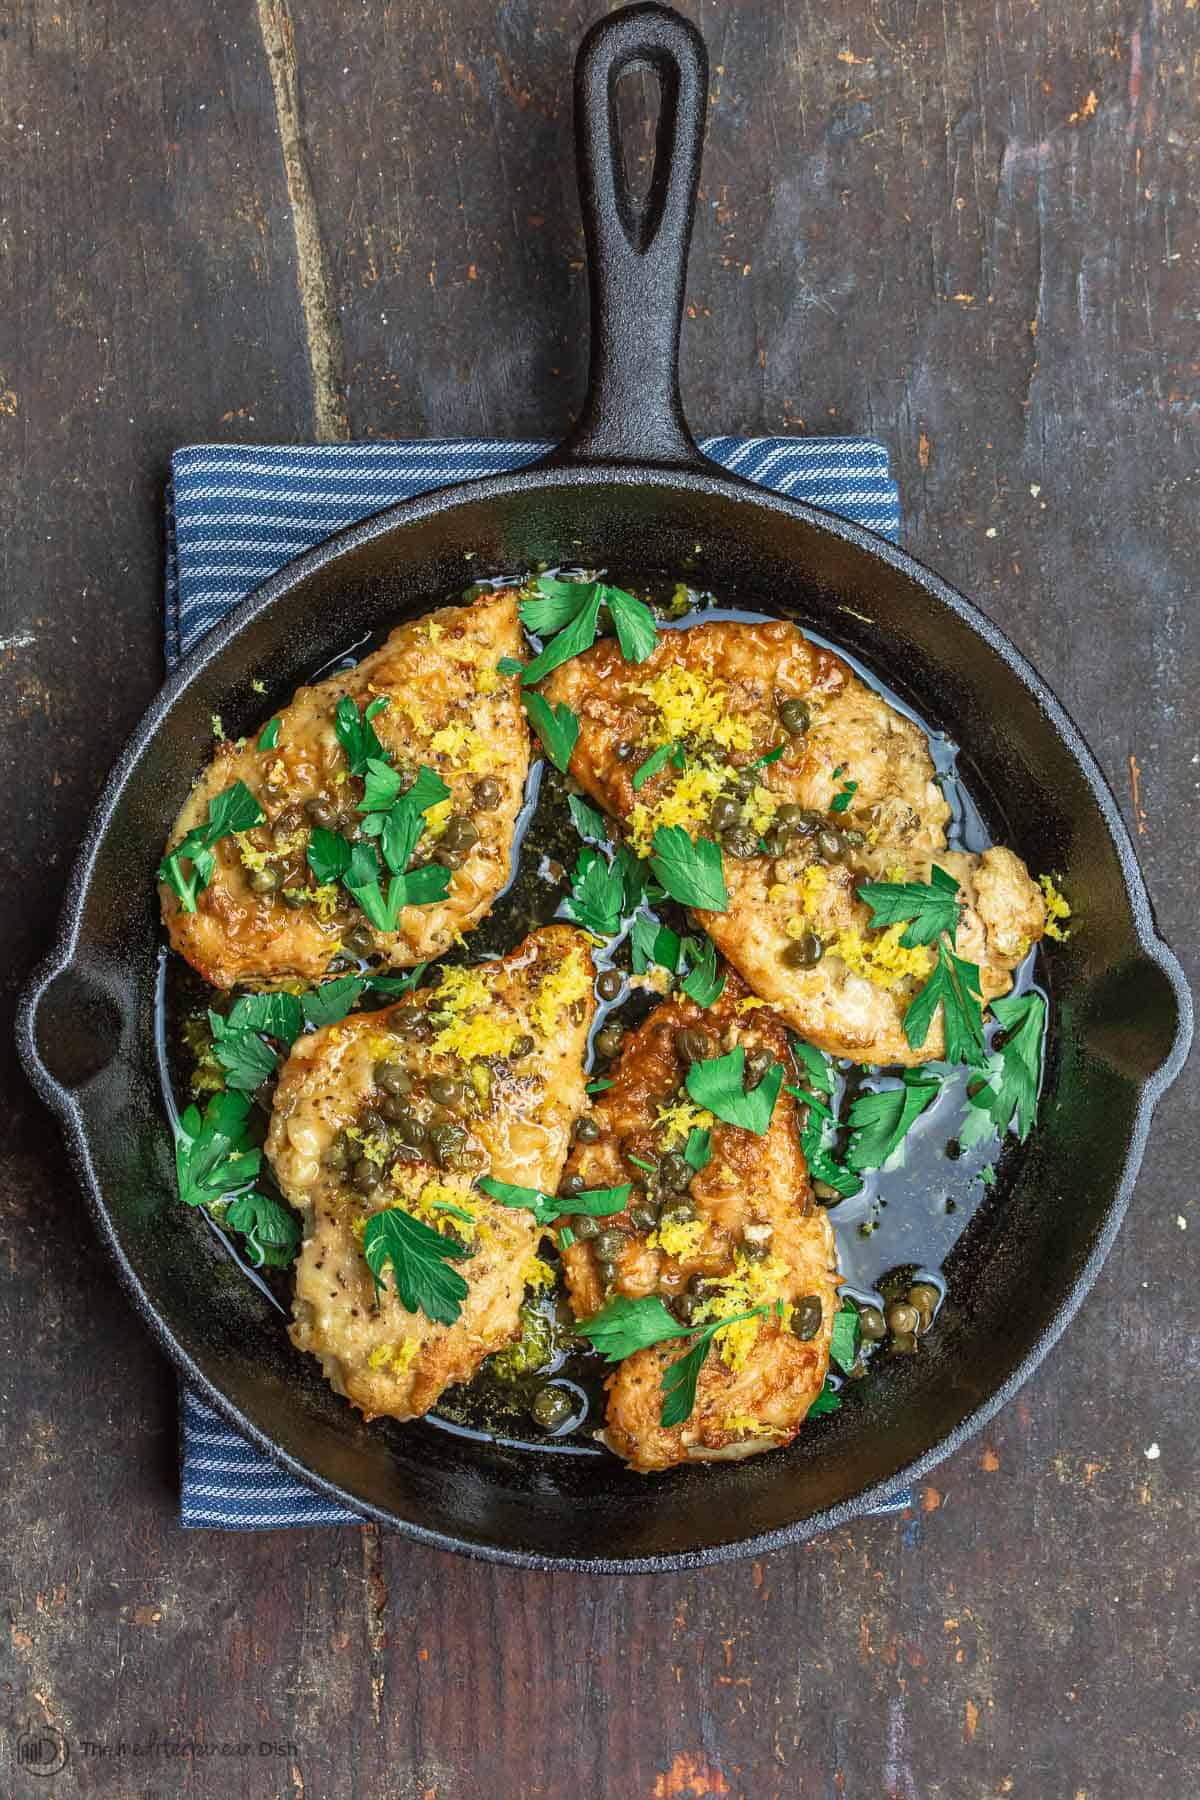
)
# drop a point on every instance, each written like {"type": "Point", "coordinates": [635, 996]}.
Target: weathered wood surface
{"type": "Point", "coordinates": [970, 229]}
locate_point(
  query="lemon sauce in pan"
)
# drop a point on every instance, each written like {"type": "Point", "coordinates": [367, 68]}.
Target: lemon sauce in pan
{"type": "Point", "coordinates": [901, 1227]}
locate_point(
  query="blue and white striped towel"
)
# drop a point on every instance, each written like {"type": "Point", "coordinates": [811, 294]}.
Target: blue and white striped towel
{"type": "Point", "coordinates": [238, 512]}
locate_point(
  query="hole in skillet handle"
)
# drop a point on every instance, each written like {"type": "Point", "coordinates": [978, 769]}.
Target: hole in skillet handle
{"type": "Point", "coordinates": [637, 242]}
{"type": "Point", "coordinates": [69, 1028]}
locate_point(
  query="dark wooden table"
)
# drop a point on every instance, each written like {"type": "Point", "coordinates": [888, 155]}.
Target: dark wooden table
{"type": "Point", "coordinates": [968, 229]}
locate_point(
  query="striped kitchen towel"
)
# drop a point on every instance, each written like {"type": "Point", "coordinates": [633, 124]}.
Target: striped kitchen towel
{"type": "Point", "coordinates": [235, 514]}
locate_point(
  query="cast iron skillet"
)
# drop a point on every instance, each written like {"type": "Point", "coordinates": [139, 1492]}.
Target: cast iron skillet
{"type": "Point", "coordinates": [628, 491]}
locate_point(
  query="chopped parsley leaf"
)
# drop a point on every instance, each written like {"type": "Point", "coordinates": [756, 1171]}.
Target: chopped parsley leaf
{"type": "Point", "coordinates": [597, 1203]}
{"type": "Point", "coordinates": [702, 983]}
{"type": "Point", "coordinates": [880, 1120]}
{"type": "Point", "coordinates": [271, 1229]}
{"type": "Point", "coordinates": [419, 1258]}
{"type": "Point", "coordinates": [1008, 1097]}
{"type": "Point", "coordinates": [234, 809]}
{"type": "Point", "coordinates": [690, 872]}
{"type": "Point", "coordinates": [587, 821]}
{"type": "Point", "coordinates": [718, 1085]}
{"type": "Point", "coordinates": [268, 737]}
{"type": "Point", "coordinates": [557, 727]}
{"type": "Point", "coordinates": [651, 942]}
{"type": "Point", "coordinates": [843, 1340]}
{"type": "Point", "coordinates": [215, 1155]}
{"type": "Point", "coordinates": [955, 985]}
{"type": "Point", "coordinates": [657, 760]}
{"type": "Point", "coordinates": [597, 893]}
{"type": "Point", "coordinates": [357, 735]}
{"type": "Point", "coordinates": [931, 907]}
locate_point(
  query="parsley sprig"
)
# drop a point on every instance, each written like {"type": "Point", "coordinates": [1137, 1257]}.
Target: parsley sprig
{"type": "Point", "coordinates": [217, 1161]}
{"type": "Point", "coordinates": [597, 1203]}
{"type": "Point", "coordinates": [1008, 1097]}
{"type": "Point", "coordinates": [718, 1084]}
{"type": "Point", "coordinates": [933, 911]}
{"type": "Point", "coordinates": [234, 809]}
{"type": "Point", "coordinates": [568, 613]}
{"type": "Point", "coordinates": [419, 1258]}
{"type": "Point", "coordinates": [881, 1118]}
{"type": "Point", "coordinates": [689, 871]}
{"type": "Point", "coordinates": [623, 1326]}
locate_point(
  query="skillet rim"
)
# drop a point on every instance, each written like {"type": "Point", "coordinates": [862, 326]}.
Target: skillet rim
{"type": "Point", "coordinates": [551, 476]}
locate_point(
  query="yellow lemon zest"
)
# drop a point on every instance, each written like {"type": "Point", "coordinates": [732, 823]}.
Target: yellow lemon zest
{"type": "Point", "coordinates": [679, 1118]}
{"type": "Point", "coordinates": [473, 1029]}
{"type": "Point", "coordinates": [326, 899]}
{"type": "Point", "coordinates": [560, 988]}
{"type": "Point", "coordinates": [881, 957]}
{"type": "Point", "coordinates": [898, 872]}
{"type": "Point", "coordinates": [744, 1425]}
{"type": "Point", "coordinates": [396, 1356]}
{"type": "Point", "coordinates": [487, 681]}
{"type": "Point", "coordinates": [691, 704]}
{"type": "Point", "coordinates": [778, 892]}
{"type": "Point", "coordinates": [688, 803]}
{"type": "Point", "coordinates": [538, 1275]}
{"type": "Point", "coordinates": [435, 631]}
{"type": "Point", "coordinates": [762, 806]}
{"type": "Point", "coordinates": [1057, 908]}
{"type": "Point", "coordinates": [750, 1003]}
{"type": "Point", "coordinates": [679, 1238]}
{"type": "Point", "coordinates": [437, 816]}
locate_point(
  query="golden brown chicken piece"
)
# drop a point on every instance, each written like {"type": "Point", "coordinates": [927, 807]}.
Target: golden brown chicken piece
{"type": "Point", "coordinates": [481, 1073]}
{"type": "Point", "coordinates": [263, 918]}
{"type": "Point", "coordinates": [731, 694]}
{"type": "Point", "coordinates": [745, 1231]}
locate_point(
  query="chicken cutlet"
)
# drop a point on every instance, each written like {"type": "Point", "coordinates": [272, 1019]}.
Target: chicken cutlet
{"type": "Point", "coordinates": [480, 1073]}
{"type": "Point", "coordinates": [741, 1231]}
{"type": "Point", "coordinates": [846, 794]}
{"type": "Point", "coordinates": [436, 700]}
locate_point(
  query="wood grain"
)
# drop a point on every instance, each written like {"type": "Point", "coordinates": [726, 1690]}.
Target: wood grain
{"type": "Point", "coordinates": [969, 229]}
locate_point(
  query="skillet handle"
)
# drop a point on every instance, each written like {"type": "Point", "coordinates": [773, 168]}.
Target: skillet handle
{"type": "Point", "coordinates": [637, 248]}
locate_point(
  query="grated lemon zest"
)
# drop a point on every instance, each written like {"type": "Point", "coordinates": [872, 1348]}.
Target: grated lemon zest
{"type": "Point", "coordinates": [1057, 909]}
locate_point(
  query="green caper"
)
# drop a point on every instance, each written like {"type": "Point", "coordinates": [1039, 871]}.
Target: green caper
{"type": "Point", "coordinates": [806, 1320]}
{"type": "Point", "coordinates": [445, 1091]}
{"type": "Point", "coordinates": [609, 983]}
{"type": "Point", "coordinates": [683, 1306]}
{"type": "Point", "coordinates": [447, 1141]}
{"type": "Point", "coordinates": [411, 1131]}
{"type": "Point", "coordinates": [586, 1130]}
{"type": "Point", "coordinates": [295, 898]}
{"type": "Point", "coordinates": [791, 815]}
{"type": "Point", "coordinates": [459, 834]}
{"type": "Point", "coordinates": [610, 1243]}
{"type": "Point", "coordinates": [624, 750]}
{"type": "Point", "coordinates": [394, 1108]}
{"type": "Point", "coordinates": [701, 1287]}
{"type": "Point", "coordinates": [756, 1066]}
{"type": "Point", "coordinates": [753, 1251]}
{"type": "Point", "coordinates": [679, 1212]}
{"type": "Point", "coordinates": [925, 1297]}
{"type": "Point", "coordinates": [725, 812]}
{"type": "Point", "coordinates": [321, 812]}
{"type": "Point", "coordinates": [805, 953]}
{"type": "Point", "coordinates": [904, 1343]}
{"type": "Point", "coordinates": [677, 1172]}
{"type": "Point", "coordinates": [740, 841]}
{"type": "Point", "coordinates": [609, 1039]}
{"type": "Point", "coordinates": [337, 965]}
{"type": "Point", "coordinates": [584, 1226]}
{"type": "Point", "coordinates": [855, 839]}
{"type": "Point", "coordinates": [643, 1218]}
{"type": "Point", "coordinates": [361, 940]}
{"type": "Point", "coordinates": [693, 1045]}
{"type": "Point", "coordinates": [831, 844]}
{"type": "Point", "coordinates": [411, 1021]}
{"type": "Point", "coordinates": [607, 1271]}
{"type": "Point", "coordinates": [551, 1407]}
{"type": "Point", "coordinates": [287, 823]}
{"type": "Point", "coordinates": [902, 1318]}
{"type": "Point", "coordinates": [337, 1154]}
{"type": "Point", "coordinates": [393, 1078]}
{"type": "Point", "coordinates": [827, 1195]}
{"type": "Point", "coordinates": [775, 843]}
{"type": "Point", "coordinates": [370, 1120]}
{"type": "Point", "coordinates": [487, 794]}
{"type": "Point", "coordinates": [448, 856]}
{"type": "Point", "coordinates": [366, 1175]}
{"type": "Point", "coordinates": [794, 716]}
{"type": "Point", "coordinates": [522, 1048]}
{"type": "Point", "coordinates": [571, 1184]}
{"type": "Point", "coordinates": [872, 1323]}
{"type": "Point", "coordinates": [263, 881]}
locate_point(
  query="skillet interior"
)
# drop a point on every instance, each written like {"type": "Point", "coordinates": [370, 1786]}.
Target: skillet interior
{"type": "Point", "coordinates": [1120, 1012]}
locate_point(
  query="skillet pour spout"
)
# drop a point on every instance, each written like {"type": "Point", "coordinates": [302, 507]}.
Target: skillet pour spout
{"type": "Point", "coordinates": [631, 489]}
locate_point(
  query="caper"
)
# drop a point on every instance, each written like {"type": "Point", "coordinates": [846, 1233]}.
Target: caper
{"type": "Point", "coordinates": [677, 1172]}
{"type": "Point", "coordinates": [286, 824]}
{"type": "Point", "coordinates": [393, 1078]}
{"type": "Point", "coordinates": [643, 1218]}
{"type": "Point", "coordinates": [371, 1120]}
{"type": "Point", "coordinates": [827, 1195]}
{"type": "Point", "coordinates": [411, 1021]}
{"type": "Point", "coordinates": [609, 1040]}
{"type": "Point", "coordinates": [366, 1175]}
{"type": "Point", "coordinates": [296, 898]}
{"type": "Point", "coordinates": [610, 1243]}
{"type": "Point", "coordinates": [679, 1212]}
{"type": "Point", "coordinates": [445, 1091]}
{"type": "Point", "coordinates": [805, 953]}
{"type": "Point", "coordinates": [586, 1130]}
{"type": "Point", "coordinates": [872, 1323]}
{"type": "Point", "coordinates": [609, 983]}
{"type": "Point", "coordinates": [607, 1271]}
{"type": "Point", "coordinates": [831, 844]}
{"type": "Point", "coordinates": [522, 1048]}
{"type": "Point", "coordinates": [856, 839]}
{"type": "Point", "coordinates": [925, 1297]}
{"type": "Point", "coordinates": [551, 1407]}
{"type": "Point", "coordinates": [449, 857]}
{"type": "Point", "coordinates": [902, 1318]}
{"type": "Point", "coordinates": [624, 750]}
{"type": "Point", "coordinates": [683, 1306]}
{"type": "Point", "coordinates": [806, 1320]}
{"type": "Point", "coordinates": [447, 1141]}
{"type": "Point", "coordinates": [584, 1226]}
{"type": "Point", "coordinates": [337, 965]}
{"type": "Point", "coordinates": [904, 1343]}
{"type": "Point", "coordinates": [459, 834]}
{"type": "Point", "coordinates": [571, 1184]}
{"type": "Point", "coordinates": [337, 1154]}
{"type": "Point", "coordinates": [753, 1251]}
{"type": "Point", "coordinates": [361, 940]}
{"type": "Point", "coordinates": [487, 794]}
{"type": "Point", "coordinates": [794, 716]}
{"type": "Point", "coordinates": [411, 1131]}
{"type": "Point", "coordinates": [394, 1108]}
{"type": "Point", "coordinates": [321, 812]}
{"type": "Point", "coordinates": [693, 1045]}
{"type": "Point", "coordinates": [263, 881]}
{"type": "Point", "coordinates": [740, 841]}
{"type": "Point", "coordinates": [756, 1066]}
{"type": "Point", "coordinates": [791, 815]}
{"type": "Point", "coordinates": [725, 812]}
{"type": "Point", "coordinates": [775, 843]}
{"type": "Point", "coordinates": [700, 1286]}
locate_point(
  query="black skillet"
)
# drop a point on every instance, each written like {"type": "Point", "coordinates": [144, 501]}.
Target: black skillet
{"type": "Point", "coordinates": [630, 491]}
